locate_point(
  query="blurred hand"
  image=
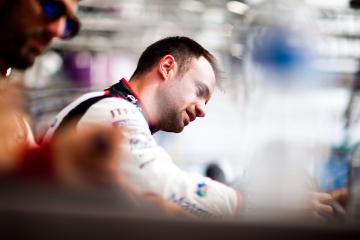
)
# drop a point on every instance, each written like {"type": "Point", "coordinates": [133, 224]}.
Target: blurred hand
{"type": "Point", "coordinates": [322, 205]}
{"type": "Point", "coordinates": [341, 196]}
{"type": "Point", "coordinates": [91, 158]}
{"type": "Point", "coordinates": [87, 158]}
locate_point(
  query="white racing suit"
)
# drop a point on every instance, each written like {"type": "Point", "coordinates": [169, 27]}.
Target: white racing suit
{"type": "Point", "coordinates": [148, 166]}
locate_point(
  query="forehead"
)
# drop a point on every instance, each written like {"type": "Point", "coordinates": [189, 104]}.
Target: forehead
{"type": "Point", "coordinates": [202, 71]}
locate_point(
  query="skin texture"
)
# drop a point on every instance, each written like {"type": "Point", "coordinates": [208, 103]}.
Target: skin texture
{"type": "Point", "coordinates": [12, 137]}
{"type": "Point", "coordinates": [341, 195]}
{"type": "Point", "coordinates": [174, 100]}
{"type": "Point", "coordinates": [321, 203]}
{"type": "Point", "coordinates": [183, 98]}
{"type": "Point", "coordinates": [26, 33]}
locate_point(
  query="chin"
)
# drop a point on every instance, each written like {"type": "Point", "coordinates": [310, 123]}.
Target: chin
{"type": "Point", "coordinates": [174, 129]}
{"type": "Point", "coordinates": [179, 130]}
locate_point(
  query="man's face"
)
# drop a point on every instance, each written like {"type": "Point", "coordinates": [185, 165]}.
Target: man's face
{"type": "Point", "coordinates": [183, 99]}
{"type": "Point", "coordinates": [27, 30]}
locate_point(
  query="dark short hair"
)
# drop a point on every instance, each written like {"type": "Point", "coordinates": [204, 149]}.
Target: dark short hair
{"type": "Point", "coordinates": [183, 49]}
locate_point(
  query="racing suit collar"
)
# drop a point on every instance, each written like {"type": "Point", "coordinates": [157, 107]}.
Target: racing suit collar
{"type": "Point", "coordinates": [124, 90]}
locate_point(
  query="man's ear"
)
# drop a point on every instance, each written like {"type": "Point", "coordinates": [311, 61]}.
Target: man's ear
{"type": "Point", "coordinates": [167, 67]}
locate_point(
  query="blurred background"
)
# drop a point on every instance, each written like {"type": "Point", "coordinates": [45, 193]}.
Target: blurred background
{"type": "Point", "coordinates": [289, 102]}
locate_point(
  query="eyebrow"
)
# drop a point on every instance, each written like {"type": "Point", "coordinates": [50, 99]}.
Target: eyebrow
{"type": "Point", "coordinates": [204, 90]}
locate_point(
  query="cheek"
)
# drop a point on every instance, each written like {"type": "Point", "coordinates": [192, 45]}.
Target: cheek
{"type": "Point", "coordinates": [32, 17]}
{"type": "Point", "coordinates": [72, 5]}
{"type": "Point", "coordinates": [184, 101]}
{"type": "Point", "coordinates": [182, 96]}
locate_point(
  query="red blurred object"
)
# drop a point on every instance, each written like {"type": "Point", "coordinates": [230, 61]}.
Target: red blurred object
{"type": "Point", "coordinates": [36, 164]}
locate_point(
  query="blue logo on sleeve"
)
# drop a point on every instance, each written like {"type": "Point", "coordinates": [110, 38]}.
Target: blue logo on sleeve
{"type": "Point", "coordinates": [202, 190]}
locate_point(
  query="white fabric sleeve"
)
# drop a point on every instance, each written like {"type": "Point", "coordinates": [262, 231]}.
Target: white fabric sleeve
{"type": "Point", "coordinates": [150, 168]}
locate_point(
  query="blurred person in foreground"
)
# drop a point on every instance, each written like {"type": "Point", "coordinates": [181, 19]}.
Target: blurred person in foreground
{"type": "Point", "coordinates": [81, 162]}
{"type": "Point", "coordinates": [174, 80]}
{"type": "Point", "coordinates": [27, 28]}
{"type": "Point", "coordinates": [79, 171]}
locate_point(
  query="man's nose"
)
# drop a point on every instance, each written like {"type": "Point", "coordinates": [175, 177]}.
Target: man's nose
{"type": "Point", "coordinates": [200, 110]}
{"type": "Point", "coordinates": [56, 28]}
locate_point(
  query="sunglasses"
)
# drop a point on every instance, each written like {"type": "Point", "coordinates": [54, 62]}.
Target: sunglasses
{"type": "Point", "coordinates": [54, 10]}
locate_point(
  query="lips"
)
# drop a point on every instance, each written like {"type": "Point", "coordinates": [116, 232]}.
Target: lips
{"type": "Point", "coordinates": [191, 115]}
{"type": "Point", "coordinates": [186, 121]}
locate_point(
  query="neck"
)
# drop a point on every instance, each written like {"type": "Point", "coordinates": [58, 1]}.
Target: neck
{"type": "Point", "coordinates": [147, 88]}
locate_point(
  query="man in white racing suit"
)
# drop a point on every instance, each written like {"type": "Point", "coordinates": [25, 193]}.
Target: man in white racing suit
{"type": "Point", "coordinates": [174, 79]}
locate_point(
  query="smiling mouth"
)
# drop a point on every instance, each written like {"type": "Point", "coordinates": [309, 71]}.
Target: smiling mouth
{"type": "Point", "coordinates": [186, 122]}
{"type": "Point", "coordinates": [186, 119]}
{"type": "Point", "coordinates": [190, 115]}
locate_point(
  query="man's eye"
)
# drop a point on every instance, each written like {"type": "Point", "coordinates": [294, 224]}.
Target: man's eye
{"type": "Point", "coordinates": [199, 91]}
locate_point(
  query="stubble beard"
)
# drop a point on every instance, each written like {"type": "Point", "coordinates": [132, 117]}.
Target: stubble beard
{"type": "Point", "coordinates": [18, 53]}
{"type": "Point", "coordinates": [174, 123]}
{"type": "Point", "coordinates": [170, 120]}
{"type": "Point", "coordinates": [28, 54]}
